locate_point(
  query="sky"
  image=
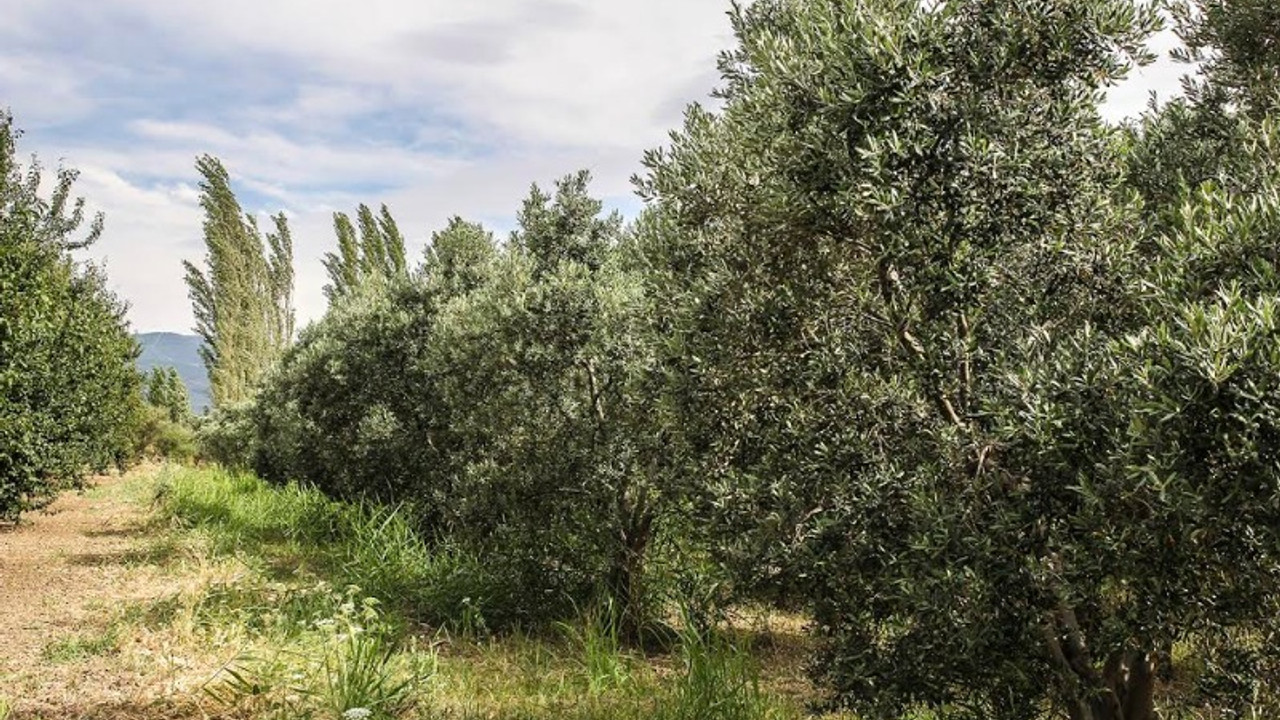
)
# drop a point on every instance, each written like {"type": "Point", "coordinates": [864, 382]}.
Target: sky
{"type": "Point", "coordinates": [434, 107]}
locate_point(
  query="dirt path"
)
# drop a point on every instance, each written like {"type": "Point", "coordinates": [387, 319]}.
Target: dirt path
{"type": "Point", "coordinates": [65, 575]}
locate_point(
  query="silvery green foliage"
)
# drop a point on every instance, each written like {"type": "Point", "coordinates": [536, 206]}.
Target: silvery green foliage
{"type": "Point", "coordinates": [242, 293]}
{"type": "Point", "coordinates": [894, 263]}
{"type": "Point", "coordinates": [907, 337]}
{"type": "Point", "coordinates": [227, 436]}
{"type": "Point", "coordinates": [459, 258]}
{"type": "Point", "coordinates": [1237, 43]}
{"type": "Point", "coordinates": [491, 391]}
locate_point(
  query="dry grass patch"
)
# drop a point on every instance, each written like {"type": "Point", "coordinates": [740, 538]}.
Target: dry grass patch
{"type": "Point", "coordinates": [203, 601]}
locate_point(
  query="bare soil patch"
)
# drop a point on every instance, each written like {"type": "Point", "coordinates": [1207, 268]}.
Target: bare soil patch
{"type": "Point", "coordinates": [65, 575]}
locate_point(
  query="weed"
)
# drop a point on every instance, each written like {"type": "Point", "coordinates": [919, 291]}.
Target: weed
{"type": "Point", "coordinates": [348, 666]}
{"type": "Point", "coordinates": [80, 647]}
{"type": "Point", "coordinates": [360, 676]}
{"type": "Point", "coordinates": [596, 635]}
{"type": "Point", "coordinates": [719, 679]}
{"type": "Point", "coordinates": [246, 679]}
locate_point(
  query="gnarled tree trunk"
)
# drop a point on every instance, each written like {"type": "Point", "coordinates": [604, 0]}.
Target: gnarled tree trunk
{"type": "Point", "coordinates": [635, 533]}
{"type": "Point", "coordinates": [1124, 689]}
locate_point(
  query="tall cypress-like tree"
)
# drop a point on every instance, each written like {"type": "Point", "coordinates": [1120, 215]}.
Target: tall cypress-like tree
{"type": "Point", "coordinates": [370, 248]}
{"type": "Point", "coordinates": [243, 298]}
{"type": "Point", "coordinates": [280, 274]}
{"type": "Point", "coordinates": [392, 242]}
{"type": "Point", "coordinates": [164, 389]}
{"type": "Point", "coordinates": [343, 266]}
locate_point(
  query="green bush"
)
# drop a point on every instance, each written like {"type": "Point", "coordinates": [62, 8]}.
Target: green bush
{"type": "Point", "coordinates": [226, 436]}
{"type": "Point", "coordinates": [1003, 422]}
{"type": "Point", "coordinates": [159, 437]}
{"type": "Point", "coordinates": [69, 394]}
{"type": "Point", "coordinates": [497, 395]}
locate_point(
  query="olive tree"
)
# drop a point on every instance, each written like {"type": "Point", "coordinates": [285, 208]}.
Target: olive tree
{"type": "Point", "coordinates": [495, 393]}
{"type": "Point", "coordinates": [543, 396]}
{"type": "Point", "coordinates": [1238, 44]}
{"type": "Point", "coordinates": [889, 260]}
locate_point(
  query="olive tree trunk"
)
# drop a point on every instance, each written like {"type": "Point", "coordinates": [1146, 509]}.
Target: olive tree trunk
{"type": "Point", "coordinates": [634, 535]}
{"type": "Point", "coordinates": [1124, 687]}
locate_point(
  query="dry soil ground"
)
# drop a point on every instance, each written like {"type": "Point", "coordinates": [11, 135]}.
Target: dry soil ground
{"type": "Point", "coordinates": [66, 575]}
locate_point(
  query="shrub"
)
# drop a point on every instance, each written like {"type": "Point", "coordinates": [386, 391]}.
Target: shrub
{"type": "Point", "coordinates": [159, 437]}
{"type": "Point", "coordinates": [226, 436]}
{"type": "Point", "coordinates": [496, 394]}
{"type": "Point", "coordinates": [69, 394]}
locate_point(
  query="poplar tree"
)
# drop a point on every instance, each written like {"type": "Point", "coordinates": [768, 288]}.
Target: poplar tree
{"type": "Point", "coordinates": [281, 276]}
{"type": "Point", "coordinates": [369, 249]}
{"type": "Point", "coordinates": [243, 298]}
{"type": "Point", "coordinates": [164, 389]}
{"type": "Point", "coordinates": [344, 266]}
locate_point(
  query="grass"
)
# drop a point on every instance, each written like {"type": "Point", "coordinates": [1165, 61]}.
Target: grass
{"type": "Point", "coordinates": [346, 664]}
{"type": "Point", "coordinates": [289, 530]}
{"type": "Point", "coordinates": [720, 679]}
{"type": "Point", "coordinates": [336, 611]}
{"type": "Point", "coordinates": [603, 663]}
{"type": "Point", "coordinates": [79, 647]}
{"type": "Point", "coordinates": [262, 602]}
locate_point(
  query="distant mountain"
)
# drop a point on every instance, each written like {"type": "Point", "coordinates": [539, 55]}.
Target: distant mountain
{"type": "Point", "coordinates": [182, 352]}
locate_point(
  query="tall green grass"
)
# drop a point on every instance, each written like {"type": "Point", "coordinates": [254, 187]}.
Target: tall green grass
{"type": "Point", "coordinates": [374, 548]}
{"type": "Point", "coordinates": [342, 654]}
{"type": "Point", "coordinates": [346, 664]}
{"type": "Point", "coordinates": [596, 637]}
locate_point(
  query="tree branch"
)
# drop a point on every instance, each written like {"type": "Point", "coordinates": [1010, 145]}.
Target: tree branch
{"type": "Point", "coordinates": [890, 288]}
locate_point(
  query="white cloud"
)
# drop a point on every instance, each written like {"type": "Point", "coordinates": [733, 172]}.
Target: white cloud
{"type": "Point", "coordinates": [148, 233]}
{"type": "Point", "coordinates": [272, 158]}
{"type": "Point", "coordinates": [1163, 77]}
{"type": "Point", "coordinates": [508, 92]}
{"type": "Point", "coordinates": [43, 90]}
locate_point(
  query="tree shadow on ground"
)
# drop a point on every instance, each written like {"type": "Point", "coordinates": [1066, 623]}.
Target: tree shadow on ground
{"type": "Point", "coordinates": [164, 709]}
{"type": "Point", "coordinates": [158, 554]}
